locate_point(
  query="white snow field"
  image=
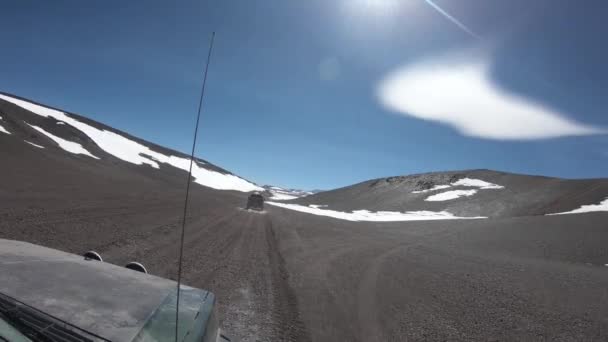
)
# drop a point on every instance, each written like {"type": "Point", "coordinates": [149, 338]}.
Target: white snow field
{"type": "Point", "coordinates": [470, 182]}
{"type": "Point", "coordinates": [35, 145]}
{"type": "Point", "coordinates": [454, 194]}
{"type": "Point", "coordinates": [436, 187]}
{"type": "Point", "coordinates": [366, 215]}
{"type": "Point", "coordinates": [3, 130]}
{"type": "Point", "coordinates": [136, 153]}
{"type": "Point", "coordinates": [281, 194]}
{"type": "Point", "coordinates": [478, 183]}
{"type": "Point", "coordinates": [602, 206]}
{"type": "Point", "coordinates": [450, 195]}
{"type": "Point", "coordinates": [278, 196]}
{"type": "Point", "coordinates": [69, 146]}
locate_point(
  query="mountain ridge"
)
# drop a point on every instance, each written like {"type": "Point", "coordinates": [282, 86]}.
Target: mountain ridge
{"type": "Point", "coordinates": [511, 194]}
{"type": "Point", "coordinates": [463, 193]}
{"type": "Point", "coordinates": [14, 111]}
{"type": "Point", "coordinates": [283, 274]}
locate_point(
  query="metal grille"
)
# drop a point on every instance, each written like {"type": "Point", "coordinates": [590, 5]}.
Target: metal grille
{"type": "Point", "coordinates": [39, 326]}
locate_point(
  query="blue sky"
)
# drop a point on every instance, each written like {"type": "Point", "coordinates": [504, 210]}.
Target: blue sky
{"type": "Point", "coordinates": [321, 94]}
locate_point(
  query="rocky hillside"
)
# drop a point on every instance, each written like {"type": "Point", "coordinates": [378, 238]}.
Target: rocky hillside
{"type": "Point", "coordinates": [465, 193]}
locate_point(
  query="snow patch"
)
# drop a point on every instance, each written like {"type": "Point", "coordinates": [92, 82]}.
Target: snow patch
{"type": "Point", "coordinates": [366, 215]}
{"type": "Point", "coordinates": [35, 145]}
{"type": "Point", "coordinates": [277, 196]}
{"type": "Point", "coordinates": [281, 194]}
{"type": "Point", "coordinates": [478, 183]}
{"type": "Point", "coordinates": [454, 194]}
{"type": "Point", "coordinates": [450, 195]}
{"type": "Point", "coordinates": [67, 145]}
{"type": "Point", "coordinates": [3, 130]}
{"type": "Point", "coordinates": [60, 123]}
{"type": "Point", "coordinates": [602, 206]}
{"type": "Point", "coordinates": [436, 187]}
{"type": "Point", "coordinates": [136, 153]}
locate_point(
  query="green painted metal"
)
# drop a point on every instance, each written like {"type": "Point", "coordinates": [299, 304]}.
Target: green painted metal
{"type": "Point", "coordinates": [9, 333]}
{"type": "Point", "coordinates": [197, 319]}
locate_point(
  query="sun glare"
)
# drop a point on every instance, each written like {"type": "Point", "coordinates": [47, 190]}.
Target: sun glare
{"type": "Point", "coordinates": [374, 6]}
{"type": "Point", "coordinates": [378, 5]}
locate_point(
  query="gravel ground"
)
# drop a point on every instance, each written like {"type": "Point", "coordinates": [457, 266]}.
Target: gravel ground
{"type": "Point", "coordinates": [289, 276]}
{"type": "Point", "coordinates": [518, 279]}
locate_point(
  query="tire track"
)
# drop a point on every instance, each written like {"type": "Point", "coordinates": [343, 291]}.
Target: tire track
{"type": "Point", "coordinates": [367, 314]}
{"type": "Point", "coordinates": [291, 327]}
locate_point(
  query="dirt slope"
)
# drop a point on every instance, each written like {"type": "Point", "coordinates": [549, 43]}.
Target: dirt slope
{"type": "Point", "coordinates": [509, 279]}
{"type": "Point", "coordinates": [522, 195]}
{"type": "Point", "coordinates": [125, 215]}
{"type": "Point", "coordinates": [289, 276]}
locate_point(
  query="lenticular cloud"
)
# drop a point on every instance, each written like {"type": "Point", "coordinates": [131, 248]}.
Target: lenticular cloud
{"type": "Point", "coordinates": [461, 94]}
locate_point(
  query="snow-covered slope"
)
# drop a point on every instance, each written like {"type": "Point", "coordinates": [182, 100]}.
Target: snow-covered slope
{"type": "Point", "coordinates": [40, 134]}
{"type": "Point", "coordinates": [62, 129]}
{"type": "Point", "coordinates": [281, 194]}
{"type": "Point", "coordinates": [366, 215]}
{"type": "Point", "coordinates": [472, 193]}
{"type": "Point", "coordinates": [589, 208]}
{"type": "Point", "coordinates": [69, 146]}
{"type": "Point", "coordinates": [2, 129]}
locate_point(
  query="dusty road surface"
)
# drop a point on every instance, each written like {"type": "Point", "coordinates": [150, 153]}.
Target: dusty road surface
{"type": "Point", "coordinates": [231, 252]}
{"type": "Point", "coordinates": [131, 213]}
{"type": "Point", "coordinates": [289, 276]}
{"type": "Point", "coordinates": [540, 278]}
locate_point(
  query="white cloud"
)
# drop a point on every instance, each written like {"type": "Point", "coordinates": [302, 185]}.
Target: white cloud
{"type": "Point", "coordinates": [461, 94]}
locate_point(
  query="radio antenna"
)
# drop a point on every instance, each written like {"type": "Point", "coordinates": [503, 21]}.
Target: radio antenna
{"type": "Point", "coordinates": [181, 245]}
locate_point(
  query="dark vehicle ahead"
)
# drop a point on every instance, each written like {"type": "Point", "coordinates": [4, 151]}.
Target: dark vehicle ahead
{"type": "Point", "coordinates": [255, 202]}
{"type": "Point", "coordinates": [49, 295]}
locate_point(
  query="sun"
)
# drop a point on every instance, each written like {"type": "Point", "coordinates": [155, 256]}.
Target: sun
{"type": "Point", "coordinates": [374, 7]}
{"type": "Point", "coordinates": [377, 5]}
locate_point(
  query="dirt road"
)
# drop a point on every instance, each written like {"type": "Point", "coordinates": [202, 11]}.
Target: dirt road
{"type": "Point", "coordinates": [288, 276]}
{"type": "Point", "coordinates": [228, 250]}
{"type": "Point", "coordinates": [538, 278]}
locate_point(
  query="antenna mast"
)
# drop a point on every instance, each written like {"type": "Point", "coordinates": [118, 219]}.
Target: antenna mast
{"type": "Point", "coordinates": [181, 246]}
